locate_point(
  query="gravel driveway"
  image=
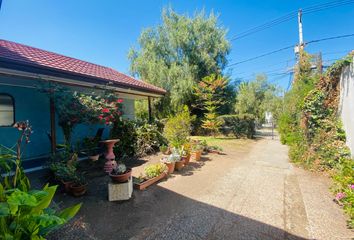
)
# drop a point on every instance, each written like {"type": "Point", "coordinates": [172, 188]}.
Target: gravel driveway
{"type": "Point", "coordinates": [252, 192]}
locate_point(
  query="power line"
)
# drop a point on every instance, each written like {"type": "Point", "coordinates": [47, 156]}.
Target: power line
{"type": "Point", "coordinates": [263, 55]}
{"type": "Point", "coordinates": [273, 72]}
{"type": "Point", "coordinates": [291, 15]}
{"type": "Point", "coordinates": [287, 62]}
{"type": "Point", "coordinates": [271, 65]}
{"type": "Point", "coordinates": [330, 38]}
{"type": "Point", "coordinates": [290, 81]}
{"type": "Point", "coordinates": [288, 47]}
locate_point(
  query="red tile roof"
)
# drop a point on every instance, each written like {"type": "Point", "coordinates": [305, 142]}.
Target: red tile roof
{"type": "Point", "coordinates": [26, 55]}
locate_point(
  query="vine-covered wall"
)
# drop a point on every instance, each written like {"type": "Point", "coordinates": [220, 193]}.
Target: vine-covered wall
{"type": "Point", "coordinates": [311, 125]}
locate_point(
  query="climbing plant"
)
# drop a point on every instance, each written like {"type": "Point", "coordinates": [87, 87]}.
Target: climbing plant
{"type": "Point", "coordinates": [311, 127]}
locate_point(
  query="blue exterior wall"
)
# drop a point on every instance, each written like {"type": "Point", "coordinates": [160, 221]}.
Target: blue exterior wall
{"type": "Point", "coordinates": [34, 106]}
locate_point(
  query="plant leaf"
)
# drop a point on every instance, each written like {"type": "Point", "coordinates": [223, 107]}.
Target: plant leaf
{"type": "Point", "coordinates": [70, 212]}
{"type": "Point", "coordinates": [4, 209]}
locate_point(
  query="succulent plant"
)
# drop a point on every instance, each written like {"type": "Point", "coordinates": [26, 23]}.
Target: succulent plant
{"type": "Point", "coordinates": [173, 157]}
{"type": "Point", "coordinates": [119, 169]}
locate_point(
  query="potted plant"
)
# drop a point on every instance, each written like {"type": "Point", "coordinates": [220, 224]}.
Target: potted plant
{"type": "Point", "coordinates": [170, 162]}
{"type": "Point", "coordinates": [186, 156]}
{"type": "Point", "coordinates": [64, 173]}
{"type": "Point", "coordinates": [204, 146]}
{"type": "Point", "coordinates": [153, 173]}
{"type": "Point", "coordinates": [120, 173]}
{"type": "Point", "coordinates": [215, 149]}
{"type": "Point", "coordinates": [90, 148]}
{"type": "Point", "coordinates": [165, 150]}
{"type": "Point", "coordinates": [178, 153]}
{"type": "Point", "coordinates": [196, 152]}
{"type": "Point", "coordinates": [79, 185]}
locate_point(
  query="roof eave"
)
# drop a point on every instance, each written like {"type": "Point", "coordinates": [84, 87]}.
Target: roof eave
{"type": "Point", "coordinates": [42, 70]}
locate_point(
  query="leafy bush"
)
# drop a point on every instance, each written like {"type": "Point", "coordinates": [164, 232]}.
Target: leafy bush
{"type": "Point", "coordinates": [242, 125]}
{"type": "Point", "coordinates": [155, 170]}
{"type": "Point", "coordinates": [90, 146]}
{"type": "Point", "coordinates": [178, 128]}
{"type": "Point", "coordinates": [26, 215]}
{"type": "Point", "coordinates": [63, 172]}
{"type": "Point", "coordinates": [149, 139]}
{"type": "Point", "coordinates": [125, 131]}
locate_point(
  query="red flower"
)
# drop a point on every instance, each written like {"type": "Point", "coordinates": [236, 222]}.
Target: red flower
{"type": "Point", "coordinates": [105, 110]}
{"type": "Point", "coordinates": [119, 100]}
{"type": "Point", "coordinates": [100, 117]}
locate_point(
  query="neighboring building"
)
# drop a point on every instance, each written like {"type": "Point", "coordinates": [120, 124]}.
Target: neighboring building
{"type": "Point", "coordinates": [268, 118]}
{"type": "Point", "coordinates": [23, 68]}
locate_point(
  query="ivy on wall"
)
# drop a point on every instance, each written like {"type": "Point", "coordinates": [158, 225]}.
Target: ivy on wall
{"type": "Point", "coordinates": [310, 125]}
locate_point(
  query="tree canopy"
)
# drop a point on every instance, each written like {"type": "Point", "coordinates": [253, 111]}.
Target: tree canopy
{"type": "Point", "coordinates": [178, 53]}
{"type": "Point", "coordinates": [257, 97]}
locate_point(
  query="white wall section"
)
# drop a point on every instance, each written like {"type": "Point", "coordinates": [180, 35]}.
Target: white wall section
{"type": "Point", "coordinates": [346, 104]}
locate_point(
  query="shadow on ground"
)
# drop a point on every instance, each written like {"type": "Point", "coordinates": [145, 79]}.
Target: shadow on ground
{"type": "Point", "coordinates": [157, 213]}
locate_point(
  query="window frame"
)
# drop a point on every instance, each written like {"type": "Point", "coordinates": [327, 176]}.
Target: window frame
{"type": "Point", "coordinates": [13, 109]}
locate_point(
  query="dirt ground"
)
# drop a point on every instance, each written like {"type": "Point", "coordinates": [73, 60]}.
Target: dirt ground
{"type": "Point", "coordinates": [252, 192]}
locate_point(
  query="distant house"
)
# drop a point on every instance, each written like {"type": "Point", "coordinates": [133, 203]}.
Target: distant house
{"type": "Point", "coordinates": [23, 68]}
{"type": "Point", "coordinates": [268, 117]}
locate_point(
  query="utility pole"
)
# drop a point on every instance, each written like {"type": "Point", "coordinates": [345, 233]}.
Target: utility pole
{"type": "Point", "coordinates": [301, 39]}
{"type": "Point", "coordinates": [319, 63]}
{"type": "Point", "coordinates": [300, 47]}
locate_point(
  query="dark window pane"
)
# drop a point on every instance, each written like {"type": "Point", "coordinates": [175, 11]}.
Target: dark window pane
{"type": "Point", "coordinates": [6, 110]}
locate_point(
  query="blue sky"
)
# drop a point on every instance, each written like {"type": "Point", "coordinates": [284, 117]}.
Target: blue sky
{"type": "Point", "coordinates": [103, 31]}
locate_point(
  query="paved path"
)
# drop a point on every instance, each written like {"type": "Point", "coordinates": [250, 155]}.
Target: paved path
{"type": "Point", "coordinates": [259, 196]}
{"type": "Point", "coordinates": [253, 192]}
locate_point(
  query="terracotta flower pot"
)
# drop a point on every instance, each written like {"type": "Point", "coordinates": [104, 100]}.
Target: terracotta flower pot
{"type": "Point", "coordinates": [167, 152]}
{"type": "Point", "coordinates": [196, 155]}
{"type": "Point", "coordinates": [67, 185]}
{"type": "Point", "coordinates": [94, 157]}
{"type": "Point", "coordinates": [170, 167]}
{"type": "Point", "coordinates": [78, 190]}
{"type": "Point", "coordinates": [186, 159]}
{"type": "Point", "coordinates": [179, 165]}
{"type": "Point", "coordinates": [122, 177]}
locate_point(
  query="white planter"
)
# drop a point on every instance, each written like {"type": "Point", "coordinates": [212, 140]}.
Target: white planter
{"type": "Point", "coordinates": [120, 191]}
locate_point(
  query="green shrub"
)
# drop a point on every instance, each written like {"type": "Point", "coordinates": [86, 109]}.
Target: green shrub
{"type": "Point", "coordinates": [149, 139]}
{"type": "Point", "coordinates": [136, 138]}
{"type": "Point", "coordinates": [125, 131]}
{"type": "Point", "coordinates": [242, 125]}
{"type": "Point", "coordinates": [178, 128]}
{"type": "Point", "coordinates": [63, 172]}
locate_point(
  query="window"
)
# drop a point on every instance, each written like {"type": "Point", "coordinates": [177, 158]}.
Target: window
{"type": "Point", "coordinates": [7, 116]}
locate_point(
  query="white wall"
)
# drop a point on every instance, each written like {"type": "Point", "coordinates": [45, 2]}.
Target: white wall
{"type": "Point", "coordinates": [346, 104]}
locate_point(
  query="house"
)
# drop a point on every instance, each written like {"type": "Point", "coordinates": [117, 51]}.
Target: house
{"type": "Point", "coordinates": [23, 68]}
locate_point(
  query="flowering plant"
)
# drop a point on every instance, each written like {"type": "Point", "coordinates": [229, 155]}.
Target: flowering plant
{"type": "Point", "coordinates": [74, 108]}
